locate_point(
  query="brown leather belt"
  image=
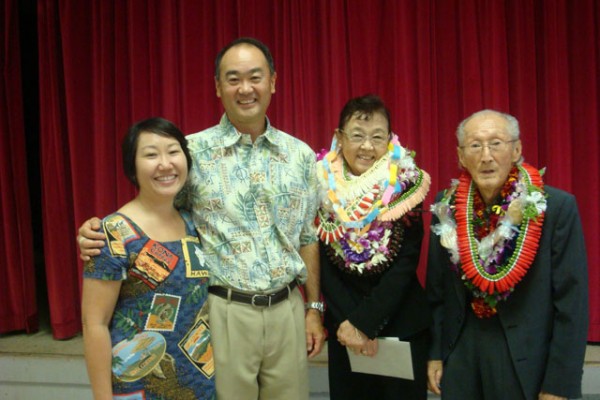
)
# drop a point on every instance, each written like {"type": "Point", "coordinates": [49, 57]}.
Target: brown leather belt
{"type": "Point", "coordinates": [257, 300]}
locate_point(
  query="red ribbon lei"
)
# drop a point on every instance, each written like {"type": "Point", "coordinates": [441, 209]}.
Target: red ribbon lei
{"type": "Point", "coordinates": [526, 244]}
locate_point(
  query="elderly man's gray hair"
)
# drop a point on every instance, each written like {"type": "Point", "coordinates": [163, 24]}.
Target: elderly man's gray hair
{"type": "Point", "coordinates": [512, 124]}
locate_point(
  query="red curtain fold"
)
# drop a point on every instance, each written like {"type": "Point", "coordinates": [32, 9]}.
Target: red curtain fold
{"type": "Point", "coordinates": [59, 194]}
{"type": "Point", "coordinates": [105, 65]}
{"type": "Point", "coordinates": [17, 285]}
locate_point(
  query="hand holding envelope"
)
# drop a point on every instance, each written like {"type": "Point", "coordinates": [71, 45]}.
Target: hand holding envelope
{"type": "Point", "coordinates": [370, 349]}
{"type": "Point", "coordinates": [393, 358]}
{"type": "Point", "coordinates": [348, 335]}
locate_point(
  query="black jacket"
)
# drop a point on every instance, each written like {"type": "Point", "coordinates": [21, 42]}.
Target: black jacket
{"type": "Point", "coordinates": [545, 320]}
{"type": "Point", "coordinates": [392, 303]}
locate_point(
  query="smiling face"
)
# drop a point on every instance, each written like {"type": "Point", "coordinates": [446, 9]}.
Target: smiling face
{"type": "Point", "coordinates": [360, 156]}
{"type": "Point", "coordinates": [245, 86]}
{"type": "Point", "coordinates": [488, 168]}
{"type": "Point", "coordinates": [160, 165]}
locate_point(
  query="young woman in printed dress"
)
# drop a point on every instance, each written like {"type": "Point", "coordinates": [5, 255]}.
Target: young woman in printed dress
{"type": "Point", "coordinates": [145, 326]}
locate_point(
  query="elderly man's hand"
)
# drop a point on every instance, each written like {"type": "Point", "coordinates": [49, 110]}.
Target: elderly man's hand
{"type": "Point", "coordinates": [548, 396]}
{"type": "Point", "coordinates": [434, 376]}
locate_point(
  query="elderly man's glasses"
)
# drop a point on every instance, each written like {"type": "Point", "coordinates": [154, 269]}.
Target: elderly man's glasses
{"type": "Point", "coordinates": [494, 146]}
{"type": "Point", "coordinates": [377, 140]}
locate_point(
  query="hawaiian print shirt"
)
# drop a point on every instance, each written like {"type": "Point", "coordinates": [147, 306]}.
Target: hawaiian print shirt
{"type": "Point", "coordinates": [254, 205]}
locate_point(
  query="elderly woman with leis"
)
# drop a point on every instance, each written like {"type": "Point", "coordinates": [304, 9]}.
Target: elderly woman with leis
{"type": "Point", "coordinates": [370, 229]}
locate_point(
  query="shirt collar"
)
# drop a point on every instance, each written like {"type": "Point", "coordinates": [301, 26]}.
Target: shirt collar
{"type": "Point", "coordinates": [232, 136]}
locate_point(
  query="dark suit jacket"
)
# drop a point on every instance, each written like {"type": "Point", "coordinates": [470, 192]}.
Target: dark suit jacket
{"type": "Point", "coordinates": [545, 320]}
{"type": "Point", "coordinates": [390, 304]}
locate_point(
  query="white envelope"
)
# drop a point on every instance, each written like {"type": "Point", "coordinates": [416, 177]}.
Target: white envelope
{"type": "Point", "coordinates": [393, 359]}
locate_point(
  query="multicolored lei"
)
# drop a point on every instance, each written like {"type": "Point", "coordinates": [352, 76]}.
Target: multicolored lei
{"type": "Point", "coordinates": [357, 213]}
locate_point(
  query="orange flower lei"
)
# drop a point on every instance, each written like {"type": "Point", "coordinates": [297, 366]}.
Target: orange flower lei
{"type": "Point", "coordinates": [490, 287]}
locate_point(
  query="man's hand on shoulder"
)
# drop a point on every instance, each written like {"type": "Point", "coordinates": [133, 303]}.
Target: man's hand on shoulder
{"type": "Point", "coordinates": [90, 241]}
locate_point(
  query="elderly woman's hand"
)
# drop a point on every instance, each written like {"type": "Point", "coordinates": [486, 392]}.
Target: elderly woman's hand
{"type": "Point", "coordinates": [370, 349]}
{"type": "Point", "coordinates": [348, 335]}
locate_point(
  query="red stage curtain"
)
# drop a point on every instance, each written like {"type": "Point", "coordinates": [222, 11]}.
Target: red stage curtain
{"type": "Point", "coordinates": [105, 65]}
{"type": "Point", "coordinates": [17, 285]}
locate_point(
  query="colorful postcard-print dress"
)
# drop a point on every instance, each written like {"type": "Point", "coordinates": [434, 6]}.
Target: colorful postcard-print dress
{"type": "Point", "coordinates": [159, 330]}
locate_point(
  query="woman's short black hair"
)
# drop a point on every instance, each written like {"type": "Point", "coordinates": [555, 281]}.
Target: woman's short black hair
{"type": "Point", "coordinates": [157, 125]}
{"type": "Point", "coordinates": [364, 107]}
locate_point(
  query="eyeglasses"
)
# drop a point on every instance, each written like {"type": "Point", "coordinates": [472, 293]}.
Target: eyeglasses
{"type": "Point", "coordinates": [377, 140]}
{"type": "Point", "coordinates": [494, 146]}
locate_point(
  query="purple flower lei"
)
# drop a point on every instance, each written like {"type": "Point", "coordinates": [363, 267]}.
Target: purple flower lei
{"type": "Point", "coordinates": [367, 253]}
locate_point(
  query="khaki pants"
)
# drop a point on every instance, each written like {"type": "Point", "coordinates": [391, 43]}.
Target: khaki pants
{"type": "Point", "coordinates": [259, 352]}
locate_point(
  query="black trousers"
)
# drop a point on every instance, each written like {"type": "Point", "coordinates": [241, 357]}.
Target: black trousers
{"type": "Point", "coordinates": [480, 366]}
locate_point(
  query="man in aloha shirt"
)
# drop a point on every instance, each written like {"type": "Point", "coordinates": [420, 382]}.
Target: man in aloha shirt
{"type": "Point", "coordinates": [254, 197]}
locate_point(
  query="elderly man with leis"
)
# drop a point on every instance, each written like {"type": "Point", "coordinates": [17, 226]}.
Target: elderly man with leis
{"type": "Point", "coordinates": [507, 275]}
{"type": "Point", "coordinates": [370, 229]}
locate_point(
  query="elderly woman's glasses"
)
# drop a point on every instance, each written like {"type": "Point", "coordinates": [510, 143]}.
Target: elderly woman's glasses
{"type": "Point", "coordinates": [494, 146]}
{"type": "Point", "coordinates": [377, 140]}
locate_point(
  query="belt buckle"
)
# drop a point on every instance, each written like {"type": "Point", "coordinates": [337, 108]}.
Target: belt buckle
{"type": "Point", "coordinates": [255, 296]}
